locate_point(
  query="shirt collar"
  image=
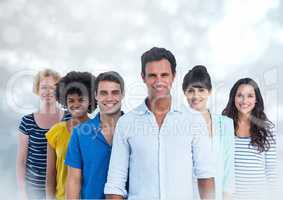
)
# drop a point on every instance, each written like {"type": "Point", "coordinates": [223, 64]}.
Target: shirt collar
{"type": "Point", "coordinates": [96, 119]}
{"type": "Point", "coordinates": [175, 107]}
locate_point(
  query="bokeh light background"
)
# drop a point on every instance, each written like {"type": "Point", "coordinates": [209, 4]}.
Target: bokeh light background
{"type": "Point", "coordinates": [233, 38]}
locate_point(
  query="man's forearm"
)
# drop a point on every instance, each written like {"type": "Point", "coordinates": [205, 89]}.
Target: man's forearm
{"type": "Point", "coordinates": [114, 196]}
{"type": "Point", "coordinates": [206, 188]}
{"type": "Point", "coordinates": [73, 189]}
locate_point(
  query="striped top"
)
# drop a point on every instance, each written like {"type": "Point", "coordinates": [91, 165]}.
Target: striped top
{"type": "Point", "coordinates": [37, 151]}
{"type": "Point", "coordinates": [255, 172]}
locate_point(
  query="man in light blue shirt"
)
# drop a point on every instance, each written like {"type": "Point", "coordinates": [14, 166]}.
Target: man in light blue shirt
{"type": "Point", "coordinates": [160, 144]}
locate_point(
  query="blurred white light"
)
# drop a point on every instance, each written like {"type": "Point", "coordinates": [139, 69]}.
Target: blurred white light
{"type": "Point", "coordinates": [139, 19]}
{"type": "Point", "coordinates": [270, 77]}
{"type": "Point", "coordinates": [9, 57]}
{"type": "Point", "coordinates": [152, 38]}
{"type": "Point", "coordinates": [234, 44]}
{"type": "Point", "coordinates": [10, 8]}
{"type": "Point", "coordinates": [181, 36]}
{"type": "Point", "coordinates": [78, 11]}
{"type": "Point", "coordinates": [130, 45]}
{"type": "Point", "coordinates": [278, 36]}
{"type": "Point", "coordinates": [248, 11]}
{"type": "Point", "coordinates": [19, 85]}
{"type": "Point", "coordinates": [11, 35]}
{"type": "Point", "coordinates": [170, 6]}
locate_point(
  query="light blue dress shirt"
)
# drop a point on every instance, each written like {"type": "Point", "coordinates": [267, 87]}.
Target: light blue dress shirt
{"type": "Point", "coordinates": [160, 162]}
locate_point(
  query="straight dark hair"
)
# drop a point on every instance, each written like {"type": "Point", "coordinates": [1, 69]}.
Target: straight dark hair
{"type": "Point", "coordinates": [156, 54]}
{"type": "Point", "coordinates": [197, 77]}
{"type": "Point", "coordinates": [110, 76]}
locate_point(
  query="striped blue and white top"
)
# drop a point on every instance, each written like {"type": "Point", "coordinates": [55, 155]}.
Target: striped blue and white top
{"type": "Point", "coordinates": [37, 152]}
{"type": "Point", "coordinates": [255, 172]}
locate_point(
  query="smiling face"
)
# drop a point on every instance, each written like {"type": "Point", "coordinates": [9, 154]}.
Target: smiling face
{"type": "Point", "coordinates": [245, 99]}
{"type": "Point", "coordinates": [77, 105]}
{"type": "Point", "coordinates": [197, 97]}
{"type": "Point", "coordinates": [46, 90]}
{"type": "Point", "coordinates": [158, 78]}
{"type": "Point", "coordinates": [109, 97]}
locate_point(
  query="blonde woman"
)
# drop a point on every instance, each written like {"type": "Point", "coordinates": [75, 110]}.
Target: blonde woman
{"type": "Point", "coordinates": [32, 150]}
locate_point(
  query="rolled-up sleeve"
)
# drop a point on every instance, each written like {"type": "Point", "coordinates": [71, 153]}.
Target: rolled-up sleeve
{"type": "Point", "coordinates": [203, 158]}
{"type": "Point", "coordinates": [119, 162]}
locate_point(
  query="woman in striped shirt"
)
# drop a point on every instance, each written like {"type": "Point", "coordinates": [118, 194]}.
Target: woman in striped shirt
{"type": "Point", "coordinates": [31, 159]}
{"type": "Point", "coordinates": [255, 146]}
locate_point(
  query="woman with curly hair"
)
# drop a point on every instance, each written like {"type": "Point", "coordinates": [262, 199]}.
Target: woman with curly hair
{"type": "Point", "coordinates": [255, 146]}
{"type": "Point", "coordinates": [75, 91]}
{"type": "Point", "coordinates": [197, 88]}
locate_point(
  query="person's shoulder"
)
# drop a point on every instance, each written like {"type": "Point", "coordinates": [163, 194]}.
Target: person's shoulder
{"type": "Point", "coordinates": [56, 130]}
{"type": "Point", "coordinates": [221, 117]}
{"type": "Point", "coordinates": [27, 120]}
{"type": "Point", "coordinates": [59, 126]}
{"type": "Point", "coordinates": [133, 114]}
{"type": "Point", "coordinates": [225, 118]}
{"type": "Point", "coordinates": [227, 121]}
{"type": "Point", "coordinates": [28, 117]}
{"type": "Point", "coordinates": [26, 124]}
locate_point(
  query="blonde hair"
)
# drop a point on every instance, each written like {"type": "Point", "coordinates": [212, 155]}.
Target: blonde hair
{"type": "Point", "coordinates": [43, 74]}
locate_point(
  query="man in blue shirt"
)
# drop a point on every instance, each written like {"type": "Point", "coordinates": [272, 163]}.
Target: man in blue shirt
{"type": "Point", "coordinates": [160, 143]}
{"type": "Point", "coordinates": [89, 148]}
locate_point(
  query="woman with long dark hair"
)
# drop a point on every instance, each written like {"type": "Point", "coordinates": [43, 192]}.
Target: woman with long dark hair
{"type": "Point", "coordinates": [255, 146]}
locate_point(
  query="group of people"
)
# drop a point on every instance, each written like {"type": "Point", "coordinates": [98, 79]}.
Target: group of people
{"type": "Point", "coordinates": [159, 150]}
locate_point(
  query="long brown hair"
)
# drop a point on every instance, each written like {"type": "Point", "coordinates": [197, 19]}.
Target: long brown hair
{"type": "Point", "coordinates": [261, 126]}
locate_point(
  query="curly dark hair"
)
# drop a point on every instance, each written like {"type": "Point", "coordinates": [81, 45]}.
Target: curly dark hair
{"type": "Point", "coordinates": [156, 54]}
{"type": "Point", "coordinates": [197, 77]}
{"type": "Point", "coordinates": [81, 83]}
{"type": "Point", "coordinates": [261, 126]}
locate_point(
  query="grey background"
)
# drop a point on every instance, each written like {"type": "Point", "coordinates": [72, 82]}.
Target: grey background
{"type": "Point", "coordinates": [233, 38]}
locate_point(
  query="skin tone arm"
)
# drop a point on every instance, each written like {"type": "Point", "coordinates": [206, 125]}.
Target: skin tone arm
{"type": "Point", "coordinates": [21, 163]}
{"type": "Point", "coordinates": [51, 173]}
{"type": "Point", "coordinates": [206, 188]}
{"type": "Point", "coordinates": [114, 196]}
{"type": "Point", "coordinates": [73, 187]}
